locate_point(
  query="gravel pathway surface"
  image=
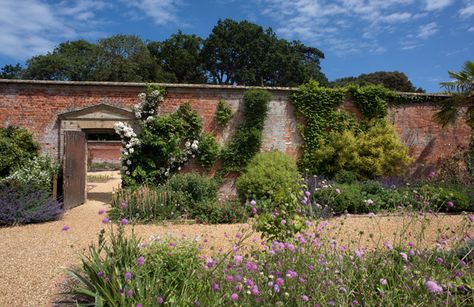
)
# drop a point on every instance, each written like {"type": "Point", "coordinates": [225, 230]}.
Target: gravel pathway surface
{"type": "Point", "coordinates": [34, 258]}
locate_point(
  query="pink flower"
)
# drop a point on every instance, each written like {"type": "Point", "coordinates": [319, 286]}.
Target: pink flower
{"type": "Point", "coordinates": [370, 202]}
{"type": "Point", "coordinates": [470, 217]}
{"type": "Point", "coordinates": [229, 278]}
{"type": "Point", "coordinates": [307, 193]}
{"type": "Point", "coordinates": [101, 211]}
{"type": "Point", "coordinates": [215, 286]}
{"type": "Point", "coordinates": [253, 202]}
{"type": "Point", "coordinates": [359, 252]}
{"type": "Point", "coordinates": [305, 298]}
{"type": "Point", "coordinates": [255, 291]}
{"type": "Point", "coordinates": [338, 191]}
{"type": "Point", "coordinates": [234, 296]}
{"type": "Point", "coordinates": [160, 300]}
{"type": "Point", "coordinates": [387, 245]}
{"type": "Point", "coordinates": [128, 276]}
{"type": "Point", "coordinates": [66, 228]}
{"type": "Point", "coordinates": [105, 220]}
{"type": "Point", "coordinates": [123, 205]}
{"type": "Point", "coordinates": [450, 204]}
{"type": "Point", "coordinates": [140, 260]}
{"type": "Point", "coordinates": [254, 210]}
{"type": "Point", "coordinates": [439, 260]}
{"type": "Point", "coordinates": [124, 221]}
{"type": "Point", "coordinates": [383, 281]}
{"type": "Point", "coordinates": [433, 287]}
{"type": "Point", "coordinates": [279, 281]}
{"type": "Point", "coordinates": [283, 222]}
{"type": "Point", "coordinates": [404, 256]}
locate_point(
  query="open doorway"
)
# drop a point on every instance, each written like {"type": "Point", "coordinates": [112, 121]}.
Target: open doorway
{"type": "Point", "coordinates": [96, 170]}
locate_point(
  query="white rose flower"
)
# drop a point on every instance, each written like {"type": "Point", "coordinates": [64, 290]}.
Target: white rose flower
{"type": "Point", "coordinates": [129, 162]}
{"type": "Point", "coordinates": [187, 144]}
{"type": "Point", "coordinates": [127, 172]}
{"type": "Point", "coordinates": [125, 167]}
{"type": "Point", "coordinates": [194, 146]}
{"type": "Point", "coordinates": [131, 150]}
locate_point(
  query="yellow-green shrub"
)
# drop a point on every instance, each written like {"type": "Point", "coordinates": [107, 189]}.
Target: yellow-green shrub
{"type": "Point", "coordinates": [374, 153]}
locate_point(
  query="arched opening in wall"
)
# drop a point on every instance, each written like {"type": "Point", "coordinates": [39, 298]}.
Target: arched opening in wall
{"type": "Point", "coordinates": [90, 151]}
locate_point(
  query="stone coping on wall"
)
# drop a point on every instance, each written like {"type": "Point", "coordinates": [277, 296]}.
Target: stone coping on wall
{"type": "Point", "coordinates": [178, 85]}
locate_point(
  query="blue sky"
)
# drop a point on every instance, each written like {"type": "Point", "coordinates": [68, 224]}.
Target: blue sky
{"type": "Point", "coordinates": [423, 38]}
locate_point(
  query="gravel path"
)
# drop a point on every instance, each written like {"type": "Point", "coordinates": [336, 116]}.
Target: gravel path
{"type": "Point", "coordinates": [34, 258]}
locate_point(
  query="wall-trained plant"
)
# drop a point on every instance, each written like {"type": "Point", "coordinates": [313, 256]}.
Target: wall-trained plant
{"type": "Point", "coordinates": [338, 145]}
{"type": "Point", "coordinates": [223, 113]}
{"type": "Point", "coordinates": [247, 139]}
{"type": "Point", "coordinates": [166, 142]}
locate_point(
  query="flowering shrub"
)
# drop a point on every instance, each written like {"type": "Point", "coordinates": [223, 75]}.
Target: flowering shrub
{"type": "Point", "coordinates": [17, 147]}
{"type": "Point", "coordinates": [313, 270]}
{"type": "Point", "coordinates": [21, 204]}
{"type": "Point", "coordinates": [165, 143]}
{"type": "Point", "coordinates": [37, 173]}
{"type": "Point", "coordinates": [223, 113]}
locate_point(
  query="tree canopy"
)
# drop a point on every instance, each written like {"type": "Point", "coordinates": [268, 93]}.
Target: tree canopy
{"type": "Point", "coordinates": [394, 80]}
{"type": "Point", "coordinates": [235, 52]}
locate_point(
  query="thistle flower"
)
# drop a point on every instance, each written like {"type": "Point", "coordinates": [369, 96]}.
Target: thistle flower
{"type": "Point", "coordinates": [130, 293]}
{"type": "Point", "coordinates": [215, 286]}
{"type": "Point", "coordinates": [124, 221]}
{"type": "Point", "coordinates": [234, 296]}
{"type": "Point", "coordinates": [439, 260]}
{"type": "Point", "coordinates": [128, 275]}
{"type": "Point", "coordinates": [140, 260]}
{"type": "Point", "coordinates": [66, 228]}
{"type": "Point", "coordinates": [101, 211]}
{"type": "Point", "coordinates": [160, 300]}
{"type": "Point", "coordinates": [105, 220]}
{"type": "Point", "coordinates": [450, 204]}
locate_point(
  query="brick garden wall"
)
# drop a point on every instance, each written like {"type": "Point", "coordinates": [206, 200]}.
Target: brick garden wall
{"type": "Point", "coordinates": [36, 105]}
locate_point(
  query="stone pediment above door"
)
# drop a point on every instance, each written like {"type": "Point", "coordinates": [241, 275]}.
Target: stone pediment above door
{"type": "Point", "coordinates": [99, 112]}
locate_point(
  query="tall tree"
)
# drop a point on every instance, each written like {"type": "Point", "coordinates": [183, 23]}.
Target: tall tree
{"type": "Point", "coordinates": [245, 53]}
{"type": "Point", "coordinates": [74, 61]}
{"type": "Point", "coordinates": [11, 72]}
{"type": "Point", "coordinates": [394, 80]}
{"type": "Point", "coordinates": [125, 58]}
{"type": "Point", "coordinates": [179, 56]}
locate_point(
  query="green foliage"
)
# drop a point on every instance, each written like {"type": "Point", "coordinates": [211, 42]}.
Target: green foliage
{"type": "Point", "coordinates": [318, 107]}
{"type": "Point", "coordinates": [373, 153]}
{"type": "Point", "coordinates": [183, 196]}
{"type": "Point", "coordinates": [245, 53]}
{"type": "Point", "coordinates": [247, 139]}
{"type": "Point", "coordinates": [371, 196]}
{"type": "Point", "coordinates": [11, 72]}
{"type": "Point", "coordinates": [17, 147]}
{"type": "Point", "coordinates": [208, 151]}
{"type": "Point", "coordinates": [223, 113]}
{"type": "Point", "coordinates": [37, 173]}
{"type": "Point", "coordinates": [371, 100]}
{"type": "Point", "coordinates": [213, 212]}
{"type": "Point", "coordinates": [179, 56]}
{"type": "Point", "coordinates": [394, 80]}
{"type": "Point", "coordinates": [268, 174]}
{"type": "Point", "coordinates": [168, 271]}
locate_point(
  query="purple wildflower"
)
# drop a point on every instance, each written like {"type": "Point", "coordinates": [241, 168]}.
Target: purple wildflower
{"type": "Point", "coordinates": [124, 221]}
{"type": "Point", "coordinates": [215, 286]}
{"type": "Point", "coordinates": [307, 193]}
{"type": "Point", "coordinates": [130, 293]}
{"type": "Point", "coordinates": [138, 305]}
{"type": "Point", "coordinates": [160, 300]}
{"type": "Point", "coordinates": [450, 204]}
{"type": "Point", "coordinates": [470, 217]}
{"type": "Point", "coordinates": [238, 259]}
{"type": "Point", "coordinates": [388, 245]}
{"type": "Point", "coordinates": [404, 256]}
{"type": "Point", "coordinates": [253, 202]}
{"type": "Point", "coordinates": [433, 287]}
{"type": "Point", "coordinates": [359, 252]}
{"type": "Point", "coordinates": [229, 278]}
{"type": "Point", "coordinates": [128, 275]}
{"type": "Point", "coordinates": [255, 291]}
{"type": "Point", "coordinates": [123, 205]}
{"type": "Point", "coordinates": [279, 281]}
{"type": "Point", "coordinates": [383, 281]}
{"type": "Point", "coordinates": [291, 274]}
{"type": "Point", "coordinates": [234, 296]}
{"type": "Point", "coordinates": [105, 220]}
{"type": "Point", "coordinates": [100, 274]}
{"type": "Point", "coordinates": [101, 211]}
{"type": "Point", "coordinates": [66, 228]}
{"type": "Point", "coordinates": [210, 262]}
{"type": "Point", "coordinates": [140, 260]}
{"type": "Point", "coordinates": [254, 210]}
{"type": "Point", "coordinates": [283, 222]}
{"type": "Point", "coordinates": [338, 191]}
{"type": "Point", "coordinates": [305, 298]}
{"type": "Point", "coordinates": [439, 260]}
{"type": "Point", "coordinates": [370, 202]}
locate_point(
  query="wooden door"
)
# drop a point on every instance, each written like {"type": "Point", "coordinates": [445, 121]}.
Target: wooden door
{"type": "Point", "coordinates": [74, 169]}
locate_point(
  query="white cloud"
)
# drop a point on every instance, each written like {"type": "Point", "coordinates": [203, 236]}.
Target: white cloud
{"type": "Point", "coordinates": [468, 9]}
{"type": "Point", "coordinates": [397, 17]}
{"type": "Point", "coordinates": [31, 27]}
{"type": "Point", "coordinates": [432, 5]}
{"type": "Point", "coordinates": [471, 29]}
{"type": "Point", "coordinates": [427, 30]}
{"type": "Point", "coordinates": [161, 11]}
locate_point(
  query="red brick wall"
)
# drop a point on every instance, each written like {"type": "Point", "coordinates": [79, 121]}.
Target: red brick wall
{"type": "Point", "coordinates": [98, 152]}
{"type": "Point", "coordinates": [36, 105]}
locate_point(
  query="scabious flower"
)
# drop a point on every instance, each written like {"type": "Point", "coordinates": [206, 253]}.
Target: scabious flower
{"type": "Point", "coordinates": [130, 293]}
{"type": "Point", "coordinates": [160, 300]}
{"type": "Point", "coordinates": [291, 274]}
{"type": "Point", "coordinates": [383, 281]}
{"type": "Point", "coordinates": [234, 296]}
{"type": "Point", "coordinates": [123, 205]}
{"type": "Point", "coordinates": [66, 228]}
{"type": "Point", "coordinates": [215, 286]}
{"type": "Point", "coordinates": [140, 260]}
{"type": "Point", "coordinates": [359, 253]}
{"type": "Point", "coordinates": [255, 291]}
{"type": "Point", "coordinates": [124, 221]}
{"type": "Point", "coordinates": [439, 260]}
{"type": "Point", "coordinates": [229, 278]}
{"type": "Point", "coordinates": [105, 220]}
{"type": "Point", "coordinates": [101, 211]}
{"type": "Point", "coordinates": [450, 204]}
{"type": "Point", "coordinates": [128, 275]}
{"type": "Point", "coordinates": [305, 298]}
{"type": "Point", "coordinates": [388, 245]}
{"type": "Point", "coordinates": [279, 281]}
{"type": "Point", "coordinates": [100, 274]}
{"type": "Point", "coordinates": [433, 287]}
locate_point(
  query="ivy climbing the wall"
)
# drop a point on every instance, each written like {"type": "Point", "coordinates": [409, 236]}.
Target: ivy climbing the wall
{"type": "Point", "coordinates": [247, 139]}
{"type": "Point", "coordinates": [335, 143]}
{"type": "Point", "coordinates": [165, 143]}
